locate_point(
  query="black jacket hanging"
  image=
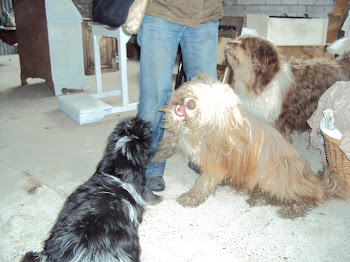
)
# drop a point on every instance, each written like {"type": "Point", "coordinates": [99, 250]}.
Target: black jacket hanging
{"type": "Point", "coordinates": [111, 12]}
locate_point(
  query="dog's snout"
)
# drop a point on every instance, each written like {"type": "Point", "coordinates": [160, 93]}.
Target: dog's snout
{"type": "Point", "coordinates": [229, 47]}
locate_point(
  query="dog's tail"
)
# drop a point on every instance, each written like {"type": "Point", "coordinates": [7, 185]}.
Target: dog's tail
{"type": "Point", "coordinates": [335, 185]}
{"type": "Point", "coordinates": [340, 46]}
{"type": "Point", "coordinates": [31, 256]}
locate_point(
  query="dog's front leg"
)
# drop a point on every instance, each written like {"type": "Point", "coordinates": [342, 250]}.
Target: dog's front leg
{"type": "Point", "coordinates": [166, 148]}
{"type": "Point", "coordinates": [200, 191]}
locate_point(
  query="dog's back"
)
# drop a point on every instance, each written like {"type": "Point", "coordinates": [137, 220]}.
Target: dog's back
{"type": "Point", "coordinates": [328, 71]}
{"type": "Point", "coordinates": [344, 62]}
{"type": "Point", "coordinates": [98, 223]}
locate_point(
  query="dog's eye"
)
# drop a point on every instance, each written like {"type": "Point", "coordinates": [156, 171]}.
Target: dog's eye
{"type": "Point", "coordinates": [191, 104]}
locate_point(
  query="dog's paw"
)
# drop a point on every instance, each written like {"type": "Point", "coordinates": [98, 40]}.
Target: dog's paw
{"type": "Point", "coordinates": [190, 200]}
{"type": "Point", "coordinates": [31, 256]}
{"type": "Point", "coordinates": [258, 199]}
{"type": "Point", "coordinates": [293, 211]}
{"type": "Point", "coordinates": [159, 158]}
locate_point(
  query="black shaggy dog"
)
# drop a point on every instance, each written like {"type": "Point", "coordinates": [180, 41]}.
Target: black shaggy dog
{"type": "Point", "coordinates": [99, 221]}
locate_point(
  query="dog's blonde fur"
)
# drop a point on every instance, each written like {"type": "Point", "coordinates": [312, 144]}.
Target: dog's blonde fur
{"type": "Point", "coordinates": [283, 92]}
{"type": "Point", "coordinates": [230, 146]}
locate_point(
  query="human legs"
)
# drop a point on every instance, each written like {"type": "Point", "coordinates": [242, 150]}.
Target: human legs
{"type": "Point", "coordinates": [199, 54]}
{"type": "Point", "coordinates": [199, 50]}
{"type": "Point", "coordinates": [159, 40]}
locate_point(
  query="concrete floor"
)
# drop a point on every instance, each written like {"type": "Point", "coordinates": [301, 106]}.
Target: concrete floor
{"type": "Point", "coordinates": [45, 155]}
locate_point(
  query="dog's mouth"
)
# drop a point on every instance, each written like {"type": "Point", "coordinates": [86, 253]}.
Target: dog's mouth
{"type": "Point", "coordinates": [188, 105]}
{"type": "Point", "coordinates": [230, 47]}
{"type": "Point", "coordinates": [179, 110]}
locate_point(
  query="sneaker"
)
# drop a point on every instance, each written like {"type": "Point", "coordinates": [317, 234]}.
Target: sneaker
{"type": "Point", "coordinates": [155, 183]}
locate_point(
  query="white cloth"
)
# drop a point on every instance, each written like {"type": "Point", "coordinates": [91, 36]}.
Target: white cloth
{"type": "Point", "coordinates": [346, 26]}
{"type": "Point", "coordinates": [327, 124]}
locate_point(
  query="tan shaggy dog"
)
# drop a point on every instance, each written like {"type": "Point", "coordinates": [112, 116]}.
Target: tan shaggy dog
{"type": "Point", "coordinates": [205, 122]}
{"type": "Point", "coordinates": [280, 92]}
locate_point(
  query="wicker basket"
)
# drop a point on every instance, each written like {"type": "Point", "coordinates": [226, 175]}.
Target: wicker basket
{"type": "Point", "coordinates": [336, 158]}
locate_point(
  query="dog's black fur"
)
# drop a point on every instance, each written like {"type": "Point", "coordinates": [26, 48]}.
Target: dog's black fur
{"type": "Point", "coordinates": [99, 221]}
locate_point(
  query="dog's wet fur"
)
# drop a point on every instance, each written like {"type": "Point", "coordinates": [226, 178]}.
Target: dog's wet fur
{"type": "Point", "coordinates": [207, 123]}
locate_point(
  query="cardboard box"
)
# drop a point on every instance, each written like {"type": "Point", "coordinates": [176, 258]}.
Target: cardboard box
{"type": "Point", "coordinates": [286, 31]}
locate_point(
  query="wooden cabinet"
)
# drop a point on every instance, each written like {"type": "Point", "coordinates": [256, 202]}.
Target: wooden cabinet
{"type": "Point", "coordinates": [33, 40]}
{"type": "Point", "coordinates": [107, 51]}
{"type": "Point", "coordinates": [50, 44]}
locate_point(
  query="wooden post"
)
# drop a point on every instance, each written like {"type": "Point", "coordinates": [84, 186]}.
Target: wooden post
{"type": "Point", "coordinates": [335, 19]}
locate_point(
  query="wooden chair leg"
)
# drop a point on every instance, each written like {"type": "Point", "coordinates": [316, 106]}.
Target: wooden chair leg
{"type": "Point", "coordinates": [226, 75]}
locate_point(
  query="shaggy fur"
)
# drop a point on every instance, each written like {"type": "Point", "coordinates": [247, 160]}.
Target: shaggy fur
{"type": "Point", "coordinates": [283, 93]}
{"type": "Point", "coordinates": [99, 221]}
{"type": "Point", "coordinates": [207, 123]}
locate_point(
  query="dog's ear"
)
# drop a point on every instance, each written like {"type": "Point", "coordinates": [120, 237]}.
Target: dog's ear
{"type": "Point", "coordinates": [265, 62]}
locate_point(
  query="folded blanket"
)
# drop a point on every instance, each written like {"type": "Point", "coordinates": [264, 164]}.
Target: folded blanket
{"type": "Point", "coordinates": [336, 98]}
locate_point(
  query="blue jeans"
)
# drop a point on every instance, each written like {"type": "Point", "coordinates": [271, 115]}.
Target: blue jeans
{"type": "Point", "coordinates": [159, 40]}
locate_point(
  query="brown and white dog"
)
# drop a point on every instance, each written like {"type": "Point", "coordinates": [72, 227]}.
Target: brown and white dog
{"type": "Point", "coordinates": [207, 124]}
{"type": "Point", "coordinates": [283, 93]}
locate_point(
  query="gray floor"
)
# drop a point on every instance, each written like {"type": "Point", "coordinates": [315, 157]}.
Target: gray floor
{"type": "Point", "coordinates": [45, 155]}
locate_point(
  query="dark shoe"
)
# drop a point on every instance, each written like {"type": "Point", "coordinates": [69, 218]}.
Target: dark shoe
{"type": "Point", "coordinates": [150, 198]}
{"type": "Point", "coordinates": [155, 183]}
{"type": "Point", "coordinates": [194, 167]}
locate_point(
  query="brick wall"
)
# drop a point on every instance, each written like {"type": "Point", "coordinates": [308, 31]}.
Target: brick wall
{"type": "Point", "coordinates": [313, 8]}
